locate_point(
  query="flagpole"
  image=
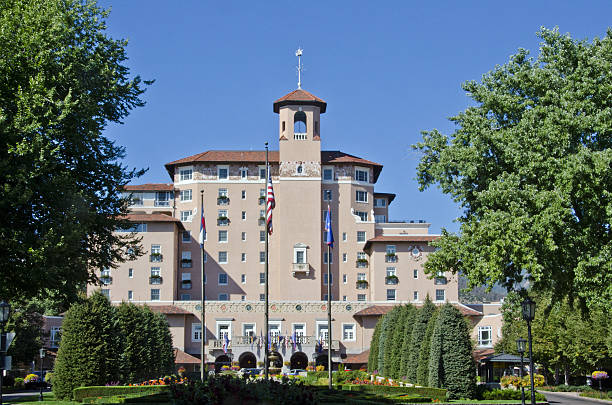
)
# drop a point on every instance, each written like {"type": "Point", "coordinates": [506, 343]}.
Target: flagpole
{"type": "Point", "coordinates": [266, 354]}
{"type": "Point", "coordinates": [202, 298]}
{"type": "Point", "coordinates": [329, 325]}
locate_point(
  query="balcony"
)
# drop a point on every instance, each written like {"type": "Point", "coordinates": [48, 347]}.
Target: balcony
{"type": "Point", "coordinates": [106, 280]}
{"type": "Point", "coordinates": [361, 284]}
{"type": "Point", "coordinates": [240, 343]}
{"type": "Point", "coordinates": [186, 263]}
{"type": "Point", "coordinates": [223, 221]}
{"type": "Point", "coordinates": [155, 280]}
{"type": "Point", "coordinates": [299, 136]}
{"type": "Point", "coordinates": [303, 268]}
{"type": "Point", "coordinates": [390, 258]}
{"type": "Point", "coordinates": [162, 203]}
{"type": "Point", "coordinates": [391, 280]}
{"type": "Point", "coordinates": [156, 258]}
{"type": "Point", "coordinates": [261, 221]}
{"type": "Point", "coordinates": [223, 200]}
{"type": "Point", "coordinates": [361, 264]}
{"type": "Point", "coordinates": [262, 200]}
{"type": "Point", "coordinates": [440, 281]}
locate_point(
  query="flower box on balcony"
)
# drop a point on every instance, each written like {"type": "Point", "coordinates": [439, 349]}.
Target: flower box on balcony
{"type": "Point", "coordinates": [106, 280]}
{"type": "Point", "coordinates": [186, 263]}
{"type": "Point", "coordinates": [361, 284]}
{"type": "Point", "coordinates": [361, 263]}
{"type": "Point", "coordinates": [262, 220]}
{"type": "Point", "coordinates": [186, 284]}
{"type": "Point", "coordinates": [223, 221]}
{"type": "Point", "coordinates": [391, 280]}
{"type": "Point", "coordinates": [156, 257]}
{"type": "Point", "coordinates": [262, 200]}
{"type": "Point", "coordinates": [155, 280]}
{"type": "Point", "coordinates": [223, 200]}
{"type": "Point", "coordinates": [391, 258]}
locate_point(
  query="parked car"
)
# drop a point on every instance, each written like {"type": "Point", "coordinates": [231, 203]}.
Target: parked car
{"type": "Point", "coordinates": [296, 371]}
{"type": "Point", "coordinates": [250, 371]}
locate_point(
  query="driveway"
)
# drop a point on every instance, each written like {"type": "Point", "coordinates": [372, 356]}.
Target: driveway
{"type": "Point", "coordinates": [570, 398]}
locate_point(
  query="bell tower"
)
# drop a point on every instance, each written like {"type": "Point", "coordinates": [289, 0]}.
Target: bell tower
{"type": "Point", "coordinates": [299, 233]}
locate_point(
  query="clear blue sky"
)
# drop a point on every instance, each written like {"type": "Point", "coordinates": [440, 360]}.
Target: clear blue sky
{"type": "Point", "coordinates": [386, 69]}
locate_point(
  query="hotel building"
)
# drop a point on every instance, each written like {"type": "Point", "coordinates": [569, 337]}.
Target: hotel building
{"type": "Point", "coordinates": [375, 262]}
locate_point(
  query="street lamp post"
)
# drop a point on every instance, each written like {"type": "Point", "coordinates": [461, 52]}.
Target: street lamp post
{"type": "Point", "coordinates": [5, 312]}
{"type": "Point", "coordinates": [42, 373]}
{"type": "Point", "coordinates": [520, 344]}
{"type": "Point", "coordinates": [528, 307]}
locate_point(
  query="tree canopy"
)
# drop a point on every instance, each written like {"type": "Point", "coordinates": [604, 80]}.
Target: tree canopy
{"type": "Point", "coordinates": [530, 163]}
{"type": "Point", "coordinates": [62, 80]}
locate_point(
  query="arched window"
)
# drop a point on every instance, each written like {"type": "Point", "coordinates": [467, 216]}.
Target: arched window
{"type": "Point", "coordinates": [299, 123]}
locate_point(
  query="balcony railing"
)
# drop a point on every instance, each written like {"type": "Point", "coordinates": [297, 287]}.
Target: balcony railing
{"type": "Point", "coordinates": [162, 203]}
{"type": "Point", "coordinates": [155, 280]}
{"type": "Point", "coordinates": [186, 285]}
{"type": "Point", "coordinates": [361, 263]}
{"type": "Point", "coordinates": [299, 136]}
{"type": "Point", "coordinates": [391, 280]}
{"type": "Point", "coordinates": [301, 268]}
{"type": "Point", "coordinates": [106, 280]}
{"type": "Point", "coordinates": [391, 258]}
{"type": "Point", "coordinates": [243, 342]}
{"type": "Point", "coordinates": [156, 257]}
{"type": "Point", "coordinates": [262, 200]}
{"type": "Point", "coordinates": [223, 200]}
{"type": "Point", "coordinates": [361, 284]}
{"type": "Point", "coordinates": [223, 221]}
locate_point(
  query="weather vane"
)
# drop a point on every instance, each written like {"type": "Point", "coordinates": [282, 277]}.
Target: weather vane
{"type": "Point", "coordinates": [300, 68]}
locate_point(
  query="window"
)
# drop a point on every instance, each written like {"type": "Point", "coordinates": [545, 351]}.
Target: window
{"type": "Point", "coordinates": [380, 219]}
{"type": "Point", "coordinates": [243, 257]}
{"type": "Point", "coordinates": [243, 236]}
{"type": "Point", "coordinates": [391, 271]}
{"type": "Point", "coordinates": [485, 337]}
{"type": "Point", "coordinates": [185, 297]}
{"type": "Point", "coordinates": [274, 327]}
{"type": "Point", "coordinates": [343, 236]}
{"type": "Point", "coordinates": [331, 258]}
{"type": "Point", "coordinates": [299, 255]}
{"type": "Point", "coordinates": [242, 297]}
{"type": "Point", "coordinates": [391, 249]}
{"type": "Point", "coordinates": [415, 295]}
{"type": "Point", "coordinates": [162, 199]}
{"type": "Point", "coordinates": [363, 216]}
{"type": "Point", "coordinates": [361, 297]}
{"type": "Point", "coordinates": [135, 198]}
{"type": "Point", "coordinates": [248, 329]}
{"type": "Point", "coordinates": [243, 216]}
{"type": "Point", "coordinates": [186, 281]}
{"type": "Point", "coordinates": [131, 273]}
{"type": "Point", "coordinates": [223, 297]}
{"type": "Point", "coordinates": [130, 295]}
{"type": "Point", "coordinates": [156, 275]}
{"type": "Point", "coordinates": [205, 258]}
{"type": "Point", "coordinates": [327, 195]}
{"type": "Point", "coordinates": [186, 195]}
{"type": "Point", "coordinates": [243, 194]}
{"type": "Point", "coordinates": [361, 276]}
{"type": "Point", "coordinates": [154, 294]}
{"type": "Point", "coordinates": [361, 236]}
{"type": "Point", "coordinates": [415, 273]}
{"type": "Point", "coordinates": [262, 236]}
{"type": "Point", "coordinates": [361, 256]}
{"type": "Point", "coordinates": [299, 329]}
{"type": "Point", "coordinates": [331, 278]}
{"type": "Point", "coordinates": [322, 331]}
{"type": "Point", "coordinates": [134, 228]}
{"type": "Point", "coordinates": [361, 196]}
{"type": "Point", "coordinates": [222, 279]}
{"type": "Point", "coordinates": [186, 216]}
{"type": "Point", "coordinates": [380, 202]}
{"type": "Point", "coordinates": [222, 257]}
{"type": "Point", "coordinates": [328, 174]}
{"type": "Point", "coordinates": [222, 172]}
{"type": "Point", "coordinates": [299, 169]}
{"type": "Point", "coordinates": [55, 336]}
{"type": "Point", "coordinates": [196, 332]}
{"type": "Point", "coordinates": [221, 214]}
{"type": "Point", "coordinates": [262, 278]}
{"type": "Point", "coordinates": [344, 298]}
{"type": "Point", "coordinates": [344, 278]}
{"type": "Point", "coordinates": [262, 257]}
{"type": "Point", "coordinates": [224, 330]}
{"type": "Point", "coordinates": [185, 174]}
{"type": "Point", "coordinates": [299, 124]}
{"type": "Point", "coordinates": [222, 236]}
{"type": "Point", "coordinates": [348, 332]}
{"type": "Point", "coordinates": [344, 257]}
{"type": "Point", "coordinates": [262, 192]}
{"type": "Point", "coordinates": [390, 295]}
{"type": "Point", "coordinates": [262, 173]}
{"type": "Point", "coordinates": [156, 255]}
{"type": "Point", "coordinates": [361, 175]}
{"type": "Point", "coordinates": [262, 297]}
{"type": "Point", "coordinates": [222, 192]}
{"type": "Point", "coordinates": [186, 237]}
{"type": "Point", "coordinates": [391, 277]}
{"type": "Point", "coordinates": [440, 295]}
{"type": "Point", "coordinates": [186, 260]}
{"type": "Point", "coordinates": [243, 278]}
{"type": "Point", "coordinates": [244, 172]}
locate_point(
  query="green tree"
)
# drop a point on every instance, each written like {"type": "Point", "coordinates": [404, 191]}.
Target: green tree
{"type": "Point", "coordinates": [412, 347]}
{"type": "Point", "coordinates": [90, 348]}
{"type": "Point", "coordinates": [386, 341]}
{"type": "Point", "coordinates": [423, 365]}
{"type": "Point", "coordinates": [374, 345]}
{"type": "Point", "coordinates": [62, 80]}
{"type": "Point", "coordinates": [451, 363]}
{"type": "Point", "coordinates": [27, 323]}
{"type": "Point", "coordinates": [402, 334]}
{"type": "Point", "coordinates": [530, 164]}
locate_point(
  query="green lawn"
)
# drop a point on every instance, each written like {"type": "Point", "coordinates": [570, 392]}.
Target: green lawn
{"type": "Point", "coordinates": [48, 399]}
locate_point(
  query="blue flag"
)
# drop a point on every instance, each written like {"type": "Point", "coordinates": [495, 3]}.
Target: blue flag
{"type": "Point", "coordinates": [329, 236]}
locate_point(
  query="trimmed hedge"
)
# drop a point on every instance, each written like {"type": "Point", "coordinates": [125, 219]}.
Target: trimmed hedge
{"type": "Point", "coordinates": [84, 392]}
{"type": "Point", "coordinates": [511, 394]}
{"type": "Point", "coordinates": [434, 393]}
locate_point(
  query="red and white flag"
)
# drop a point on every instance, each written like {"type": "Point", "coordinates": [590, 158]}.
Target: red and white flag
{"type": "Point", "coordinates": [270, 203]}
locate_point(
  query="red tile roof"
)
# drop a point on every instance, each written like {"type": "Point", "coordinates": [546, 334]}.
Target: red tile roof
{"type": "Point", "coordinates": [359, 358]}
{"type": "Point", "coordinates": [150, 187]}
{"type": "Point", "coordinates": [389, 196]}
{"type": "Point", "coordinates": [169, 310]}
{"type": "Point", "coordinates": [379, 310]}
{"type": "Point", "coordinates": [479, 354]}
{"type": "Point", "coordinates": [299, 97]}
{"type": "Point", "coordinates": [259, 156]}
{"type": "Point", "coordinates": [180, 357]}
{"type": "Point", "coordinates": [399, 238]}
{"type": "Point", "coordinates": [153, 218]}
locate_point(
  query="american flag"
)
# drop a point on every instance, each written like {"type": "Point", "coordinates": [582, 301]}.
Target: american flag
{"type": "Point", "coordinates": [270, 203]}
{"type": "Point", "coordinates": [202, 227]}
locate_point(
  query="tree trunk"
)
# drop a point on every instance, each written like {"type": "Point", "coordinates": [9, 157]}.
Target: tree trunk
{"type": "Point", "coordinates": [556, 375]}
{"type": "Point", "coordinates": [566, 372]}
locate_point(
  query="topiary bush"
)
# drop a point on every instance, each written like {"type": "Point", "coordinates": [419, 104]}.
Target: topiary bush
{"type": "Point", "coordinates": [510, 395]}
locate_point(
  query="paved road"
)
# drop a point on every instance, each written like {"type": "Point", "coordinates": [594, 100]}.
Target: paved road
{"type": "Point", "coordinates": [570, 398]}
